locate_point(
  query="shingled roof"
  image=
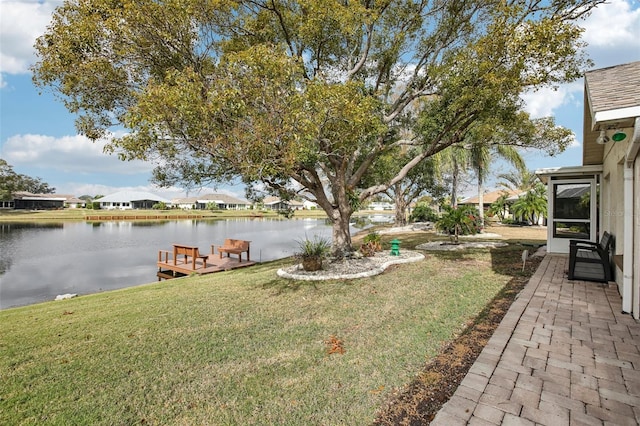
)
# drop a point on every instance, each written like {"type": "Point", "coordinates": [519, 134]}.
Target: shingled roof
{"type": "Point", "coordinates": [490, 197]}
{"type": "Point", "coordinates": [615, 87]}
{"type": "Point", "coordinates": [611, 101]}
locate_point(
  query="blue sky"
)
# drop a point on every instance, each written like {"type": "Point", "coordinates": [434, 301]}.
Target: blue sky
{"type": "Point", "coordinates": [38, 138]}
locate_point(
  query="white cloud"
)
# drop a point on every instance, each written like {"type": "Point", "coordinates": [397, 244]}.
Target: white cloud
{"type": "Point", "coordinates": [613, 24]}
{"type": "Point", "coordinates": [69, 154]}
{"type": "Point", "coordinates": [543, 102]}
{"type": "Point", "coordinates": [21, 22]}
{"type": "Point", "coordinates": [79, 189]}
{"type": "Point", "coordinates": [574, 142]}
{"type": "Point", "coordinates": [612, 32]}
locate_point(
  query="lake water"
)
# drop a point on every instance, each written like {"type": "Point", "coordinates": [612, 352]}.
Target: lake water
{"type": "Point", "coordinates": [39, 261]}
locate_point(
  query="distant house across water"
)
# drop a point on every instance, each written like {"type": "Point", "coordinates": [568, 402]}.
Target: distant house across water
{"type": "Point", "coordinates": [218, 201]}
{"type": "Point", "coordinates": [27, 201]}
{"type": "Point", "coordinates": [275, 203]}
{"type": "Point", "coordinates": [380, 206]}
{"type": "Point", "coordinates": [127, 200]}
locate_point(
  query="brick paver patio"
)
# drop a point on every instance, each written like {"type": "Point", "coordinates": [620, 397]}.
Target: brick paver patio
{"type": "Point", "coordinates": [564, 354]}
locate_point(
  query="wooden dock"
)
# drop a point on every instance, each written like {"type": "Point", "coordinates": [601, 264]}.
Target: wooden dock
{"type": "Point", "coordinates": [167, 268]}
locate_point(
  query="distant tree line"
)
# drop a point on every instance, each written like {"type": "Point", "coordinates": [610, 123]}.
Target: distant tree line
{"type": "Point", "coordinates": [12, 182]}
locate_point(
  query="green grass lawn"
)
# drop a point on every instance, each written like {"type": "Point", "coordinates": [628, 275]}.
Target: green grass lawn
{"type": "Point", "coordinates": [242, 347]}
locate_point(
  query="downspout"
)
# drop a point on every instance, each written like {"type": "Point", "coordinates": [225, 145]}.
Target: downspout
{"type": "Point", "coordinates": [630, 298]}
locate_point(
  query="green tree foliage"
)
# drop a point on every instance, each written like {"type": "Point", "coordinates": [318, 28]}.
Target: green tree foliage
{"type": "Point", "coordinates": [518, 180]}
{"type": "Point", "coordinates": [453, 165]}
{"type": "Point", "coordinates": [299, 96]}
{"type": "Point", "coordinates": [12, 182]}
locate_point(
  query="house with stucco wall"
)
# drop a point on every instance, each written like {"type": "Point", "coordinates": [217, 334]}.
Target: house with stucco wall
{"type": "Point", "coordinates": [608, 180]}
{"type": "Point", "coordinates": [131, 200]}
{"type": "Point", "coordinates": [220, 201]}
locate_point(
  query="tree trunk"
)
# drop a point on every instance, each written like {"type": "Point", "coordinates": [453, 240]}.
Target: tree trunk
{"type": "Point", "coordinates": [481, 201]}
{"type": "Point", "coordinates": [454, 185]}
{"type": "Point", "coordinates": [341, 242]}
{"type": "Point", "coordinates": [401, 207]}
{"type": "Point", "coordinates": [339, 213]}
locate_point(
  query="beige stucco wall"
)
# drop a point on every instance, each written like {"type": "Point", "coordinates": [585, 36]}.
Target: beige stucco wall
{"type": "Point", "coordinates": [612, 196]}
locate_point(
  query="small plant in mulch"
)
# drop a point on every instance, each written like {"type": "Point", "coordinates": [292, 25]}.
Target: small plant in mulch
{"type": "Point", "coordinates": [371, 244]}
{"type": "Point", "coordinates": [334, 345]}
{"type": "Point", "coordinates": [312, 252]}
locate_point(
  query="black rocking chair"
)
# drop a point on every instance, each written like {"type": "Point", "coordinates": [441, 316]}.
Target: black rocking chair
{"type": "Point", "coordinates": [590, 261]}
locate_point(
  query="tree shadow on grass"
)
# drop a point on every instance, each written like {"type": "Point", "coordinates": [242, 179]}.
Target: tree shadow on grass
{"type": "Point", "coordinates": [282, 285]}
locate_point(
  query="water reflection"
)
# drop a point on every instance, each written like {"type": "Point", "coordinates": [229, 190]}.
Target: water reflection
{"type": "Point", "coordinates": [9, 233]}
{"type": "Point", "coordinates": [362, 222]}
{"type": "Point", "coordinates": [41, 260]}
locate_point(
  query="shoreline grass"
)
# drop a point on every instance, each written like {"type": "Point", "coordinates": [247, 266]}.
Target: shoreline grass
{"type": "Point", "coordinates": [84, 214]}
{"type": "Point", "coordinates": [240, 347]}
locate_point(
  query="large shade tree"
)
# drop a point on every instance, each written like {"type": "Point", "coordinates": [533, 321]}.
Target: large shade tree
{"type": "Point", "coordinates": [299, 96]}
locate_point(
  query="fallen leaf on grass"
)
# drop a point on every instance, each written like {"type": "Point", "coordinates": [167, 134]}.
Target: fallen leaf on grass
{"type": "Point", "coordinates": [378, 390]}
{"type": "Point", "coordinates": [335, 345]}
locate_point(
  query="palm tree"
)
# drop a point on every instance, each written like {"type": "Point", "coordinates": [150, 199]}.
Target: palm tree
{"type": "Point", "coordinates": [456, 160]}
{"type": "Point", "coordinates": [453, 161]}
{"type": "Point", "coordinates": [481, 156]}
{"type": "Point", "coordinates": [499, 207]}
{"type": "Point", "coordinates": [519, 179]}
{"type": "Point", "coordinates": [532, 205]}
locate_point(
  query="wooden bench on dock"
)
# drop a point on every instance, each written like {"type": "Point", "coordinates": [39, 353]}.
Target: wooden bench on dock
{"type": "Point", "coordinates": [234, 246]}
{"type": "Point", "coordinates": [189, 251]}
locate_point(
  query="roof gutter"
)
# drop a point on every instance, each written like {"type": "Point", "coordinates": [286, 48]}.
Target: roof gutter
{"type": "Point", "coordinates": [630, 298]}
{"type": "Point", "coordinates": [618, 114]}
{"type": "Point", "coordinates": [634, 146]}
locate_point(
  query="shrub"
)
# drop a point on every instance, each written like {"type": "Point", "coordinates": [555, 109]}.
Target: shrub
{"type": "Point", "coordinates": [318, 247]}
{"type": "Point", "coordinates": [423, 213]}
{"type": "Point", "coordinates": [311, 252]}
{"type": "Point", "coordinates": [159, 206]}
{"type": "Point", "coordinates": [371, 244]}
{"type": "Point", "coordinates": [463, 220]}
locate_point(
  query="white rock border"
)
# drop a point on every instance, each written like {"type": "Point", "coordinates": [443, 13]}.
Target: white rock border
{"type": "Point", "coordinates": [374, 271]}
{"type": "Point", "coordinates": [66, 296]}
{"type": "Point", "coordinates": [463, 245]}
